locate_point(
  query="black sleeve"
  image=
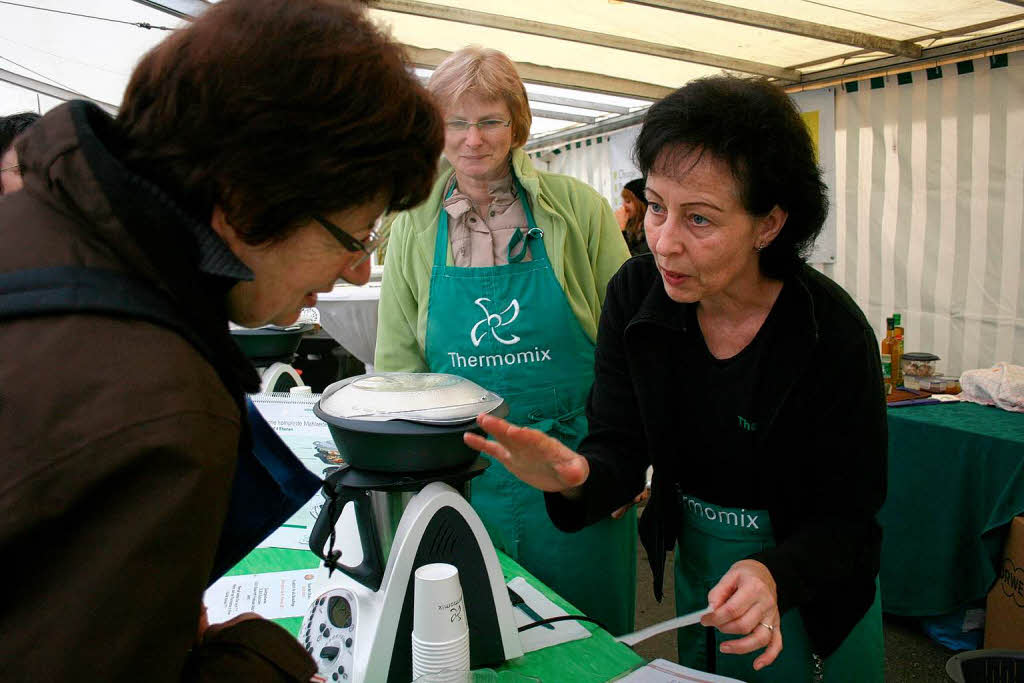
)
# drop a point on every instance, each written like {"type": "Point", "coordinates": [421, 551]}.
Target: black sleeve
{"type": "Point", "coordinates": [828, 528]}
{"type": "Point", "coordinates": [615, 445]}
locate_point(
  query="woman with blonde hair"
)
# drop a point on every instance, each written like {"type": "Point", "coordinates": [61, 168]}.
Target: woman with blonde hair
{"type": "Point", "coordinates": [527, 254]}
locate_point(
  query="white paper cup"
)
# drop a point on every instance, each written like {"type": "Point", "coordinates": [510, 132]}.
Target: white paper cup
{"type": "Point", "coordinates": [439, 611]}
{"type": "Point", "coordinates": [454, 645]}
{"type": "Point", "coordinates": [456, 660]}
{"type": "Point", "coordinates": [426, 662]}
{"type": "Point", "coordinates": [437, 662]}
{"type": "Point", "coordinates": [435, 657]}
{"type": "Point", "coordinates": [420, 669]}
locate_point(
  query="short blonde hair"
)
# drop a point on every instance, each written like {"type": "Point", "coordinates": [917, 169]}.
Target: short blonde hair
{"type": "Point", "coordinates": [488, 74]}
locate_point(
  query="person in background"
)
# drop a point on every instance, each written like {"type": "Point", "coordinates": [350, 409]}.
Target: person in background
{"type": "Point", "coordinates": [253, 151]}
{"type": "Point", "coordinates": [508, 263]}
{"type": "Point", "coordinates": [11, 127]}
{"type": "Point", "coordinates": [710, 359]}
{"type": "Point", "coordinates": [631, 216]}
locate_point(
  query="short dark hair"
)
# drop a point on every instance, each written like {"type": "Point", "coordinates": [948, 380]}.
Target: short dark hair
{"type": "Point", "coordinates": [276, 110]}
{"type": "Point", "coordinates": [756, 129]}
{"type": "Point", "coordinates": [14, 125]}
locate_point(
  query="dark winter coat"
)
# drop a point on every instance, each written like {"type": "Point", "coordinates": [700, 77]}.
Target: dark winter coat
{"type": "Point", "coordinates": [120, 438]}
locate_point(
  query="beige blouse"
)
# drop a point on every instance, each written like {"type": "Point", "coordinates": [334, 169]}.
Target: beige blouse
{"type": "Point", "coordinates": [482, 240]}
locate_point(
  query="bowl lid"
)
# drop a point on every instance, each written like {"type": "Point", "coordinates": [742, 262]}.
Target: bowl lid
{"type": "Point", "coordinates": [920, 356]}
{"type": "Point", "coordinates": [427, 397]}
{"type": "Point", "coordinates": [300, 328]}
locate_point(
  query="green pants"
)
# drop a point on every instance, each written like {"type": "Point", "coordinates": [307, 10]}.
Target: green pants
{"type": "Point", "coordinates": [711, 539]}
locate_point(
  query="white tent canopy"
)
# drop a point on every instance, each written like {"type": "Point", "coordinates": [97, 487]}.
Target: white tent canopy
{"type": "Point", "coordinates": [611, 49]}
{"type": "Point", "coordinates": [54, 55]}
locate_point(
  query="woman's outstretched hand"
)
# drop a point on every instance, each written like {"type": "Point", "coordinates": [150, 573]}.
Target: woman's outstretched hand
{"type": "Point", "coordinates": [533, 456]}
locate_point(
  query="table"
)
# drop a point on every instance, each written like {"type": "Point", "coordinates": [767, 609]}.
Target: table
{"type": "Point", "coordinates": [349, 314]}
{"type": "Point", "coordinates": [597, 658]}
{"type": "Point", "coordinates": [956, 479]}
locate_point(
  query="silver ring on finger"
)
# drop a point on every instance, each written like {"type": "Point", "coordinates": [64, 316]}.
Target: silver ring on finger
{"type": "Point", "coordinates": [768, 626]}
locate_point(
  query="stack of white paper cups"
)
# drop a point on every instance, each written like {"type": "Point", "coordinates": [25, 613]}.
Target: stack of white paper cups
{"type": "Point", "coordinates": [440, 630]}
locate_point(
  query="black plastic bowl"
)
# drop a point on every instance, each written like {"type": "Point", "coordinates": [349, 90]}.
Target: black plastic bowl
{"type": "Point", "coordinates": [271, 342]}
{"type": "Point", "coordinates": [401, 445]}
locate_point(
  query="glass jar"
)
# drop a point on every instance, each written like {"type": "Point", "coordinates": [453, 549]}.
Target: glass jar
{"type": "Point", "coordinates": [919, 364]}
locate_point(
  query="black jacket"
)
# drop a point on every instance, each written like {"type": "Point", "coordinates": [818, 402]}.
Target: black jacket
{"type": "Point", "coordinates": [822, 453]}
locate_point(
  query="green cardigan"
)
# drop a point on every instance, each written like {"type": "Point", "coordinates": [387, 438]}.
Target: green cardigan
{"type": "Point", "coordinates": [583, 242]}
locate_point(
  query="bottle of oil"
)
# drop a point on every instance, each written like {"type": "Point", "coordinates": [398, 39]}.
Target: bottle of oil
{"type": "Point", "coordinates": [897, 350]}
{"type": "Point", "coordinates": [887, 356]}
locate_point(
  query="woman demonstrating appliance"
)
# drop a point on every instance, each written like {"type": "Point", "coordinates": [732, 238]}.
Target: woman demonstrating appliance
{"type": "Point", "coordinates": [499, 277]}
{"type": "Point", "coordinates": [236, 183]}
{"type": "Point", "coordinates": [709, 364]}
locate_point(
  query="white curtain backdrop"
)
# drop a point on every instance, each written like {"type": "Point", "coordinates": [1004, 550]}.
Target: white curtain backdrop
{"type": "Point", "coordinates": [590, 160]}
{"type": "Point", "coordinates": [930, 188]}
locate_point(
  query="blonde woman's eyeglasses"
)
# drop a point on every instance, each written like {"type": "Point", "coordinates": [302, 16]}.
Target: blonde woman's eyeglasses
{"type": "Point", "coordinates": [485, 126]}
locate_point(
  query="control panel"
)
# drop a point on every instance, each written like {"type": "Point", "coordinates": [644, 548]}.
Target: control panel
{"type": "Point", "coordinates": [328, 633]}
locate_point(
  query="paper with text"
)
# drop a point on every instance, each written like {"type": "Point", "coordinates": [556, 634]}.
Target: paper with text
{"type": "Point", "coordinates": [310, 440]}
{"type": "Point", "coordinates": [272, 596]}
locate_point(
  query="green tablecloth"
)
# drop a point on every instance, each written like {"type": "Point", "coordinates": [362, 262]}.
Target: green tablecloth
{"type": "Point", "coordinates": [597, 658]}
{"type": "Point", "coordinates": [956, 479]}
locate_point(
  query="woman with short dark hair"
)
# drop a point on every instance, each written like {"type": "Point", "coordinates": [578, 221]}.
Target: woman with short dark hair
{"type": "Point", "coordinates": [252, 155]}
{"type": "Point", "coordinates": [711, 364]}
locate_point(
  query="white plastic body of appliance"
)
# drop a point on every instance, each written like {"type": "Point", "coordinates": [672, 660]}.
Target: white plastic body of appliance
{"type": "Point", "coordinates": [278, 377]}
{"type": "Point", "coordinates": [351, 630]}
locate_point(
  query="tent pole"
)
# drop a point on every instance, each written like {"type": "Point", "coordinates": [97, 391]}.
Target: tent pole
{"type": "Point", "coordinates": [41, 88]}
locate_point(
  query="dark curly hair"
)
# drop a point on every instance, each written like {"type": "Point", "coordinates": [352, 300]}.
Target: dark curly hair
{"type": "Point", "coordinates": [753, 127]}
{"type": "Point", "coordinates": [276, 110]}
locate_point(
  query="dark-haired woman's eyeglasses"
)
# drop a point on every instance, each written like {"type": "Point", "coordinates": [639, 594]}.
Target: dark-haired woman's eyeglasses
{"type": "Point", "coordinates": [485, 126]}
{"type": "Point", "coordinates": [13, 170]}
{"type": "Point", "coordinates": [367, 245]}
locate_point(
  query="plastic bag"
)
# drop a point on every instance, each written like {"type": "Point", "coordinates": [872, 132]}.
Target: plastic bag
{"type": "Point", "coordinates": [1001, 386]}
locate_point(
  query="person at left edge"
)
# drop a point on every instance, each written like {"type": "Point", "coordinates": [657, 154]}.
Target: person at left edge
{"type": "Point", "coordinates": [11, 127]}
{"type": "Point", "coordinates": [235, 183]}
{"type": "Point", "coordinates": [499, 277]}
{"type": "Point", "coordinates": [631, 217]}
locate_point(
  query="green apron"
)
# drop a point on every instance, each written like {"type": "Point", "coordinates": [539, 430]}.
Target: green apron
{"type": "Point", "coordinates": [510, 329]}
{"type": "Point", "coordinates": [711, 539]}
